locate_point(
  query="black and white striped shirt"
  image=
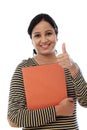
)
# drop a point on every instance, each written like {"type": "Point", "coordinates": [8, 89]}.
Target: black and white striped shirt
{"type": "Point", "coordinates": [45, 118]}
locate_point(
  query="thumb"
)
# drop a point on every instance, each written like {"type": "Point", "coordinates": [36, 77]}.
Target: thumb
{"type": "Point", "coordinates": [63, 48]}
{"type": "Point", "coordinates": [70, 99]}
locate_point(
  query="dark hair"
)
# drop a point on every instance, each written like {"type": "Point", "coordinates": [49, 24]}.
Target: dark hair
{"type": "Point", "coordinates": [40, 17]}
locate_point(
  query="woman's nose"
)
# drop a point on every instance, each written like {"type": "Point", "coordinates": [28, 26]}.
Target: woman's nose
{"type": "Point", "coordinates": [43, 39]}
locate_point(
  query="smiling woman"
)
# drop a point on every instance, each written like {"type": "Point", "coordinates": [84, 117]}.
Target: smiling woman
{"type": "Point", "coordinates": [43, 32]}
{"type": "Point", "coordinates": [15, 45]}
{"type": "Point", "coordinates": [44, 38]}
{"type": "Point", "coordinates": [43, 35]}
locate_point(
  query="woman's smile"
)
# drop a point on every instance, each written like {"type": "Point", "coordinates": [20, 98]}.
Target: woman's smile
{"type": "Point", "coordinates": [44, 46]}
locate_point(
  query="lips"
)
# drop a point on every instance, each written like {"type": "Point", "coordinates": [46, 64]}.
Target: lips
{"type": "Point", "coordinates": [45, 46]}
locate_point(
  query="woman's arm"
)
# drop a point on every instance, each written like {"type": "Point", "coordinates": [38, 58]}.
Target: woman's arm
{"type": "Point", "coordinates": [80, 85]}
{"type": "Point", "coordinates": [11, 123]}
{"type": "Point", "coordinates": [18, 115]}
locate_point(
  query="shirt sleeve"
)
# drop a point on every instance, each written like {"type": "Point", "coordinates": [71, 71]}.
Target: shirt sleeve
{"type": "Point", "coordinates": [17, 109]}
{"type": "Point", "coordinates": [80, 88]}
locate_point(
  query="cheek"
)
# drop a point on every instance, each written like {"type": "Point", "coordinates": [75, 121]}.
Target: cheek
{"type": "Point", "coordinates": [54, 40]}
{"type": "Point", "coordinates": [35, 43]}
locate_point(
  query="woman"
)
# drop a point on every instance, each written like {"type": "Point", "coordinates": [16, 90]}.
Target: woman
{"type": "Point", "coordinates": [43, 32]}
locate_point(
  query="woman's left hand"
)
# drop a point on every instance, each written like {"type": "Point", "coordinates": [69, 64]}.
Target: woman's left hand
{"type": "Point", "coordinates": [64, 59]}
{"type": "Point", "coordinates": [66, 62]}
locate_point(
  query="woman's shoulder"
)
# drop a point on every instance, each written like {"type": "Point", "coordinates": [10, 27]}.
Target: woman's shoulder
{"type": "Point", "coordinates": [27, 62]}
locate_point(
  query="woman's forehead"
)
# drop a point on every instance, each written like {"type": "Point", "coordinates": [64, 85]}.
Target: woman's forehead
{"type": "Point", "coordinates": [42, 26]}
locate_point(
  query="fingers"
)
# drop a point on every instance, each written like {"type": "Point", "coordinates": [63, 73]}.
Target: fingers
{"type": "Point", "coordinates": [70, 99]}
{"type": "Point", "coordinates": [63, 48]}
{"type": "Point", "coordinates": [66, 107]}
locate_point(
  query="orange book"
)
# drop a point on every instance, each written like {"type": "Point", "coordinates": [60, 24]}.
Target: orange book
{"type": "Point", "coordinates": [44, 85]}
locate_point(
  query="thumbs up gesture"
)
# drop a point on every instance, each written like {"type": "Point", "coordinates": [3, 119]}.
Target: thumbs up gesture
{"type": "Point", "coordinates": [63, 48]}
{"type": "Point", "coordinates": [63, 59]}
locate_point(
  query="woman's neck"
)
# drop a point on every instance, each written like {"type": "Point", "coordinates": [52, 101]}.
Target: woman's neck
{"type": "Point", "coordinates": [46, 59]}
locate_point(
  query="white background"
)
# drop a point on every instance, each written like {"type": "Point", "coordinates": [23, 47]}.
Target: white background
{"type": "Point", "coordinates": [15, 45]}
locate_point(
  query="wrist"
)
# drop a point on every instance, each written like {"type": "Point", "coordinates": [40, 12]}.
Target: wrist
{"type": "Point", "coordinates": [74, 69]}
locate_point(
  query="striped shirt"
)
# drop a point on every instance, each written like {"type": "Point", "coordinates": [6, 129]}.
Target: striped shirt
{"type": "Point", "coordinates": [44, 118]}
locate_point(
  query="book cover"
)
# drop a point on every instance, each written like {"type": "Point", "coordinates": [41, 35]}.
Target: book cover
{"type": "Point", "coordinates": [45, 85]}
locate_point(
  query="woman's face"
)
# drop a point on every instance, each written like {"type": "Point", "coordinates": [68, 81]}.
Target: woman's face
{"type": "Point", "coordinates": [44, 38]}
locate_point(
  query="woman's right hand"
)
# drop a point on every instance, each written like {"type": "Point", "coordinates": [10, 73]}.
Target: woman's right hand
{"type": "Point", "coordinates": [65, 107]}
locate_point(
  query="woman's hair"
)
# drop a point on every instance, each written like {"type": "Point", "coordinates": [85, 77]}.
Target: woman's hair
{"type": "Point", "coordinates": [40, 17]}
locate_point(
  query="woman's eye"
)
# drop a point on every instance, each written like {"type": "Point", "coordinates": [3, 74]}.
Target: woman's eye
{"type": "Point", "coordinates": [37, 35]}
{"type": "Point", "coordinates": [49, 33]}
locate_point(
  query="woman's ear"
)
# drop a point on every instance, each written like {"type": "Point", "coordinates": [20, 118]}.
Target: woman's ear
{"type": "Point", "coordinates": [57, 39]}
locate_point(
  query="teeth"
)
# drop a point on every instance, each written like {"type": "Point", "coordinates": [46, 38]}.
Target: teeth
{"type": "Point", "coordinates": [45, 46]}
